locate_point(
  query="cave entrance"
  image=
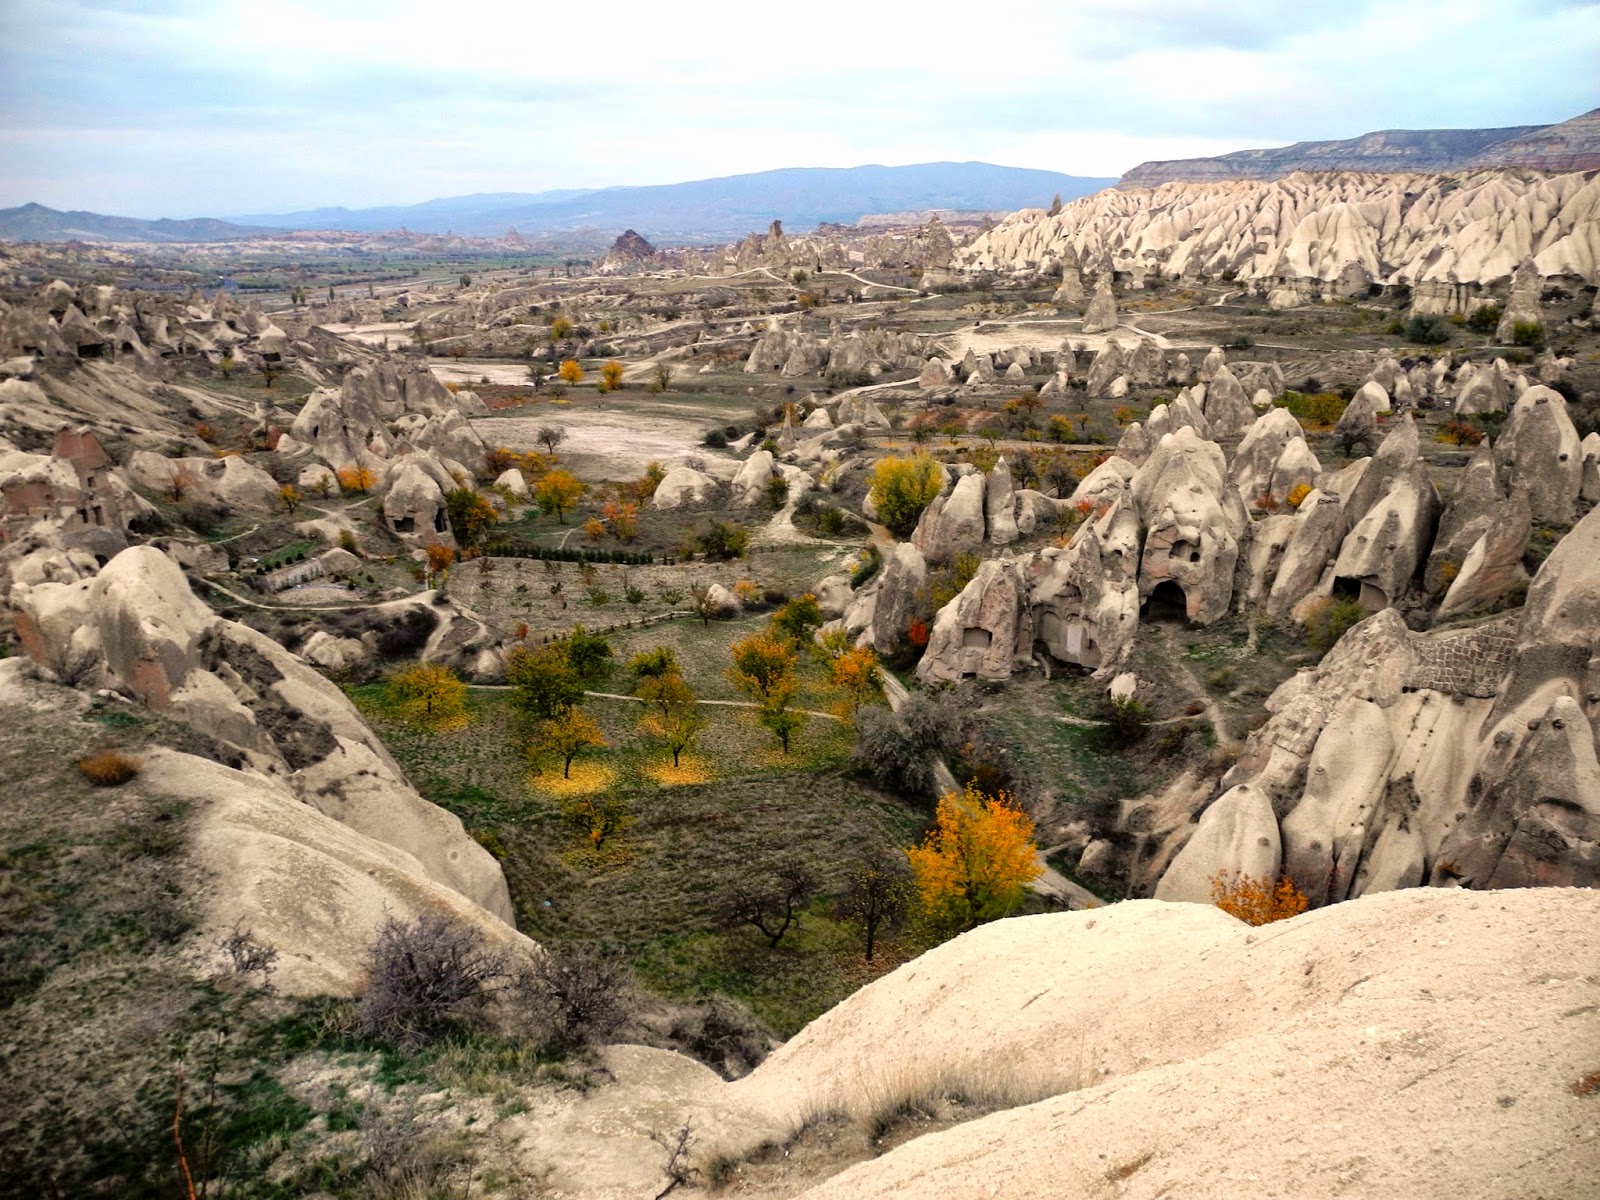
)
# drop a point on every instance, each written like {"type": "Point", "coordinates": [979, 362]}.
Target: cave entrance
{"type": "Point", "coordinates": [1365, 593]}
{"type": "Point", "coordinates": [1166, 603]}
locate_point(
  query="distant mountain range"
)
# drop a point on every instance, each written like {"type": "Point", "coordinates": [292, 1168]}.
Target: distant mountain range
{"type": "Point", "coordinates": [715, 209]}
{"type": "Point", "coordinates": [36, 223]}
{"type": "Point", "coordinates": [1569, 146]}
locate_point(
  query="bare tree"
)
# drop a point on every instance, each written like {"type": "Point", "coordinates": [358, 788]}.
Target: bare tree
{"type": "Point", "coordinates": [878, 895]}
{"type": "Point", "coordinates": [551, 436]}
{"type": "Point", "coordinates": [771, 905]}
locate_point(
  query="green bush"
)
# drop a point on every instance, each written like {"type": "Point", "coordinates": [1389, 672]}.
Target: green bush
{"type": "Point", "coordinates": [1485, 319]}
{"type": "Point", "coordinates": [1427, 331]}
{"type": "Point", "coordinates": [1328, 622]}
{"type": "Point", "coordinates": [721, 541]}
{"type": "Point", "coordinates": [1528, 333]}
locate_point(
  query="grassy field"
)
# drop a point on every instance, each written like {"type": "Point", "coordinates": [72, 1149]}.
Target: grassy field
{"type": "Point", "coordinates": [649, 889]}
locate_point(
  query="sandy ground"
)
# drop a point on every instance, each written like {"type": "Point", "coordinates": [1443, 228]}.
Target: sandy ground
{"type": "Point", "coordinates": [1046, 335]}
{"type": "Point", "coordinates": [396, 333]}
{"type": "Point", "coordinates": [603, 443]}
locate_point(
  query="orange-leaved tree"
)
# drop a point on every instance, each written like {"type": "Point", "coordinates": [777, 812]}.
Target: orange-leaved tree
{"type": "Point", "coordinates": [356, 479]}
{"type": "Point", "coordinates": [611, 375]}
{"type": "Point", "coordinates": [976, 861]}
{"type": "Point", "coordinates": [571, 371]}
{"type": "Point", "coordinates": [856, 675]}
{"type": "Point", "coordinates": [1256, 901]}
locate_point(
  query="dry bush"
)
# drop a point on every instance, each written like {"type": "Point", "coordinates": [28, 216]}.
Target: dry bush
{"type": "Point", "coordinates": [110, 768]}
{"type": "Point", "coordinates": [584, 993]}
{"type": "Point", "coordinates": [1257, 901]}
{"type": "Point", "coordinates": [426, 977]}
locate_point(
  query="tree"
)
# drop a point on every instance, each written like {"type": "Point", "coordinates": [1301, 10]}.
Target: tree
{"type": "Point", "coordinates": [438, 558]}
{"type": "Point", "coordinates": [611, 375]}
{"type": "Point", "coordinates": [588, 655]}
{"type": "Point", "coordinates": [781, 721]}
{"type": "Point", "coordinates": [289, 497]}
{"type": "Point", "coordinates": [723, 541]}
{"type": "Point", "coordinates": [1257, 901]}
{"type": "Point", "coordinates": [798, 619]}
{"type": "Point", "coordinates": [660, 376]}
{"type": "Point", "coordinates": [356, 479]}
{"type": "Point", "coordinates": [976, 861]}
{"type": "Point", "coordinates": [544, 685]}
{"type": "Point", "coordinates": [565, 735]}
{"type": "Point", "coordinates": [650, 664]}
{"type": "Point", "coordinates": [550, 436]}
{"type": "Point", "coordinates": [763, 666]}
{"type": "Point", "coordinates": [466, 280]}
{"type": "Point", "coordinates": [430, 695]}
{"type": "Point", "coordinates": [676, 718]}
{"type": "Point", "coordinates": [770, 905]}
{"type": "Point", "coordinates": [571, 371]}
{"type": "Point", "coordinates": [902, 488]}
{"type": "Point", "coordinates": [471, 517]}
{"type": "Point", "coordinates": [858, 679]}
{"type": "Point", "coordinates": [560, 328]}
{"type": "Point", "coordinates": [269, 372]}
{"type": "Point", "coordinates": [622, 517]}
{"type": "Point", "coordinates": [877, 896]}
{"type": "Point", "coordinates": [705, 602]}
{"type": "Point", "coordinates": [557, 492]}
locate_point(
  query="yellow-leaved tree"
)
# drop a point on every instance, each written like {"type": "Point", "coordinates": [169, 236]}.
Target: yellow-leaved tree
{"type": "Point", "coordinates": [902, 488]}
{"type": "Point", "coordinates": [571, 371]}
{"type": "Point", "coordinates": [430, 695]}
{"type": "Point", "coordinates": [976, 861]}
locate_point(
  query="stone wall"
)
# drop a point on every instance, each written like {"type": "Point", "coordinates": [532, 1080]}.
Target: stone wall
{"type": "Point", "coordinates": [1466, 662]}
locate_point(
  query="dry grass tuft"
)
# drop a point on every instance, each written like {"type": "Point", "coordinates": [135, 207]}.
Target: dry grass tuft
{"type": "Point", "coordinates": [110, 768]}
{"type": "Point", "coordinates": [584, 779]}
{"type": "Point", "coordinates": [690, 769]}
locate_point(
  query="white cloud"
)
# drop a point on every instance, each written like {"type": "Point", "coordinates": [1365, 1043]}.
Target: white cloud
{"type": "Point", "coordinates": [174, 107]}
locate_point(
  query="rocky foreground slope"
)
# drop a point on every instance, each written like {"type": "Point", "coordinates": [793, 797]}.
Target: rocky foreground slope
{"type": "Point", "coordinates": [1419, 1044]}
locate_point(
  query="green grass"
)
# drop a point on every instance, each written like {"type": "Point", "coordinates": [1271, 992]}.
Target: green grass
{"type": "Point", "coordinates": [647, 890]}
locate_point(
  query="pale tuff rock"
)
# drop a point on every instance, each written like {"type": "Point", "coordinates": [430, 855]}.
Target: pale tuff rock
{"type": "Point", "coordinates": [1193, 523]}
{"type": "Point", "coordinates": [1110, 364]}
{"type": "Point", "coordinates": [981, 632]}
{"type": "Point", "coordinates": [1375, 395]}
{"type": "Point", "coordinates": [897, 598]}
{"type": "Point", "coordinates": [1134, 444]}
{"type": "Point", "coordinates": [1387, 545]}
{"type": "Point", "coordinates": [861, 410]}
{"type": "Point", "coordinates": [1523, 306]}
{"type": "Point", "coordinates": [817, 418]}
{"type": "Point", "coordinates": [1187, 411]}
{"type": "Point", "coordinates": [1539, 452]}
{"type": "Point", "coordinates": [1237, 836]}
{"type": "Point", "coordinates": [999, 504]}
{"type": "Point", "coordinates": [230, 481]}
{"type": "Point", "coordinates": [514, 482]}
{"type": "Point", "coordinates": [1589, 488]}
{"type": "Point", "coordinates": [683, 485]}
{"type": "Point", "coordinates": [1313, 541]}
{"type": "Point", "coordinates": [148, 636]}
{"type": "Point", "coordinates": [1085, 598]}
{"type": "Point", "coordinates": [1070, 293]}
{"type": "Point", "coordinates": [1476, 505]}
{"type": "Point", "coordinates": [1492, 567]}
{"type": "Point", "coordinates": [1106, 483]}
{"type": "Point", "coordinates": [750, 484]}
{"type": "Point", "coordinates": [1481, 391]}
{"type": "Point", "coordinates": [935, 375]}
{"type": "Point", "coordinates": [1101, 316]}
{"type": "Point", "coordinates": [1307, 231]}
{"type": "Point", "coordinates": [414, 504]}
{"type": "Point", "coordinates": [953, 525]}
{"type": "Point", "coordinates": [1227, 408]}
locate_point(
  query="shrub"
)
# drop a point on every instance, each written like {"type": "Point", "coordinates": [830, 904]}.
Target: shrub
{"type": "Point", "coordinates": [1124, 720]}
{"type": "Point", "coordinates": [585, 994]}
{"type": "Point", "coordinates": [777, 491]}
{"type": "Point", "coordinates": [715, 439]}
{"type": "Point", "coordinates": [831, 521]}
{"type": "Point", "coordinates": [110, 768]}
{"type": "Point", "coordinates": [471, 516]}
{"type": "Point", "coordinates": [1427, 331]}
{"type": "Point", "coordinates": [1257, 901]}
{"type": "Point", "coordinates": [722, 541]}
{"type": "Point", "coordinates": [1298, 494]}
{"type": "Point", "coordinates": [722, 1034]}
{"type": "Point", "coordinates": [426, 977]}
{"type": "Point", "coordinates": [1485, 319]}
{"type": "Point", "coordinates": [902, 488]}
{"type": "Point", "coordinates": [866, 568]}
{"type": "Point", "coordinates": [1327, 622]}
{"type": "Point", "coordinates": [1529, 334]}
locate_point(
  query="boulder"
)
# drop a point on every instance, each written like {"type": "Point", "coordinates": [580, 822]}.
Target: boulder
{"type": "Point", "coordinates": [683, 485]}
{"type": "Point", "coordinates": [750, 484]}
{"type": "Point", "coordinates": [936, 374]}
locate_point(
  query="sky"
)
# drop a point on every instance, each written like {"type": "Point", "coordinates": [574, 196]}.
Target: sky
{"type": "Point", "coordinates": [185, 108]}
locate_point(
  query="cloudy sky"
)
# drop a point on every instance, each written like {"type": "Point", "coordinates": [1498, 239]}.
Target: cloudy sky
{"type": "Point", "coordinates": [188, 108]}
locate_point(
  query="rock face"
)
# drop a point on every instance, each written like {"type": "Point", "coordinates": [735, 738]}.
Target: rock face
{"type": "Point", "coordinates": [750, 484]}
{"type": "Point", "coordinates": [1193, 521]}
{"type": "Point", "coordinates": [1310, 230]}
{"type": "Point", "coordinates": [981, 632]}
{"type": "Point", "coordinates": [953, 525]}
{"type": "Point", "coordinates": [1102, 314]}
{"type": "Point", "coordinates": [1539, 453]}
{"type": "Point", "coordinates": [137, 627]}
{"type": "Point", "coordinates": [1206, 1032]}
{"type": "Point", "coordinates": [684, 485]}
{"type": "Point", "coordinates": [1237, 836]}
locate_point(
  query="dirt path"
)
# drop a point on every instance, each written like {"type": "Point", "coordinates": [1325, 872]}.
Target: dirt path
{"type": "Point", "coordinates": [809, 712]}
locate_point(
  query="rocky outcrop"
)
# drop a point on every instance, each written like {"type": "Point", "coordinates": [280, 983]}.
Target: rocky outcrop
{"type": "Point", "coordinates": [1462, 233]}
{"type": "Point", "coordinates": [684, 485]}
{"type": "Point", "coordinates": [1237, 836]}
{"type": "Point", "coordinates": [1101, 316]}
{"type": "Point", "coordinates": [137, 628]}
{"type": "Point", "coordinates": [1539, 453]}
{"type": "Point", "coordinates": [982, 632]}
